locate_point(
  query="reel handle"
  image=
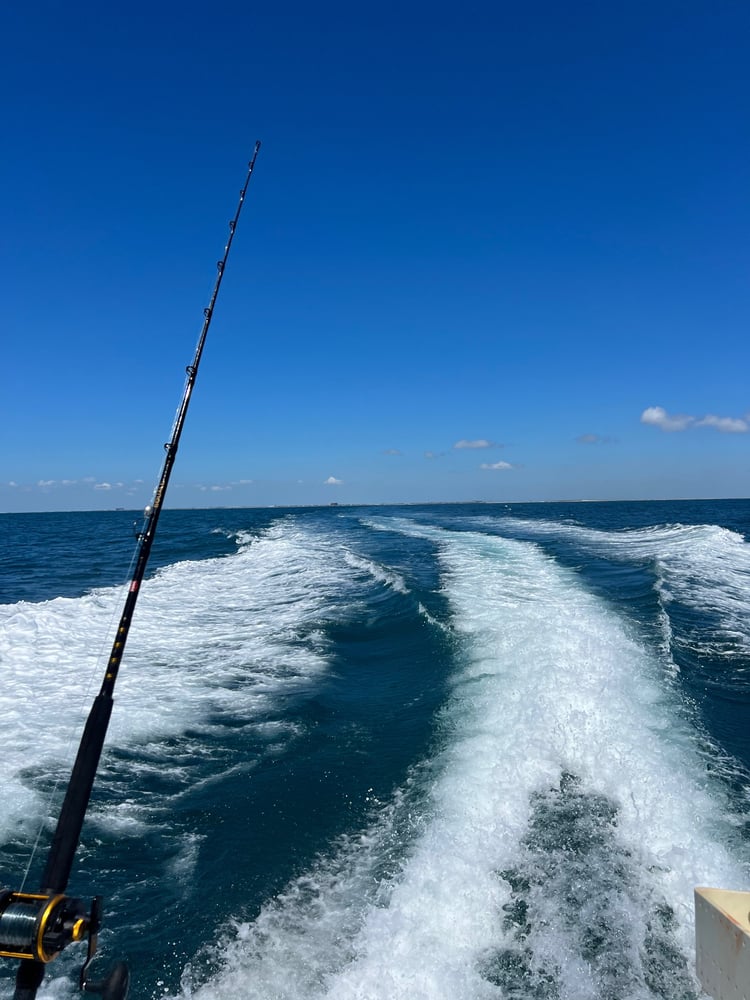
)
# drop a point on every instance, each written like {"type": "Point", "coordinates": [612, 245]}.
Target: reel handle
{"type": "Point", "coordinates": [115, 986]}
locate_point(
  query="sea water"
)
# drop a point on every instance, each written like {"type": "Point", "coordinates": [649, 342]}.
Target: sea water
{"type": "Point", "coordinates": [450, 751]}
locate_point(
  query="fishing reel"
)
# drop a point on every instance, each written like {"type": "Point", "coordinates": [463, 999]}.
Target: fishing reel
{"type": "Point", "coordinates": [36, 927]}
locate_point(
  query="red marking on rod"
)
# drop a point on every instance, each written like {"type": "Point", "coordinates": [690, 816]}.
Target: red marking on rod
{"type": "Point", "coordinates": [133, 586]}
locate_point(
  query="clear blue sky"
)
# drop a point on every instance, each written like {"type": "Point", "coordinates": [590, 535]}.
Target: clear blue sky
{"type": "Point", "coordinates": [491, 250]}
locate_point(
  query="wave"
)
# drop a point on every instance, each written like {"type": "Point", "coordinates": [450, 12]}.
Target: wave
{"type": "Point", "coordinates": [377, 571]}
{"type": "Point", "coordinates": [703, 567]}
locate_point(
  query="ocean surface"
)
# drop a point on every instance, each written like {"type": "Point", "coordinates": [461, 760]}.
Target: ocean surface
{"type": "Point", "coordinates": [448, 752]}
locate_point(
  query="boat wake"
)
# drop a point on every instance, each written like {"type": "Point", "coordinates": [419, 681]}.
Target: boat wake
{"type": "Point", "coordinates": [550, 845]}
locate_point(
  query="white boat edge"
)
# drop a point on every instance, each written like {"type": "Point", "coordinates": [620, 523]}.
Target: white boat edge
{"type": "Point", "coordinates": [722, 942]}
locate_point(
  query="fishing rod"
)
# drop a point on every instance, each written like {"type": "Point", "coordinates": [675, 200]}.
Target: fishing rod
{"type": "Point", "coordinates": [36, 926]}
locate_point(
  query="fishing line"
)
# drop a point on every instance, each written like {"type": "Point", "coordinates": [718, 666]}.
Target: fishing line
{"type": "Point", "coordinates": [75, 726]}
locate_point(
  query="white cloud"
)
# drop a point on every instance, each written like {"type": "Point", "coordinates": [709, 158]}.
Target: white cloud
{"type": "Point", "coordinates": [434, 454]}
{"type": "Point", "coordinates": [727, 425]}
{"type": "Point", "coordinates": [44, 483]}
{"type": "Point", "coordinates": [479, 443]}
{"type": "Point", "coordinates": [332, 481]}
{"type": "Point", "coordinates": [103, 486]}
{"type": "Point", "coordinates": [657, 416]}
{"type": "Point", "coordinates": [595, 439]}
{"type": "Point", "coordinates": [392, 451]}
{"type": "Point", "coordinates": [496, 465]}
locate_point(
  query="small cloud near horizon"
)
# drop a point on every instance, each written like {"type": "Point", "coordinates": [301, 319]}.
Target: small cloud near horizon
{"type": "Point", "coordinates": [594, 439]}
{"type": "Point", "coordinates": [479, 443]}
{"type": "Point", "coordinates": [392, 451]}
{"type": "Point", "coordinates": [45, 485]}
{"type": "Point", "coordinates": [434, 454]}
{"type": "Point", "coordinates": [333, 481]}
{"type": "Point", "coordinates": [657, 416]}
{"type": "Point", "coordinates": [498, 466]}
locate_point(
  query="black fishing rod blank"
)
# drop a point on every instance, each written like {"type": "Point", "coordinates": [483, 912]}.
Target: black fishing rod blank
{"type": "Point", "coordinates": [36, 927]}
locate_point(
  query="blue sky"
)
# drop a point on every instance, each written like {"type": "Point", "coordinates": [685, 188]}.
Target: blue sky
{"type": "Point", "coordinates": [490, 251]}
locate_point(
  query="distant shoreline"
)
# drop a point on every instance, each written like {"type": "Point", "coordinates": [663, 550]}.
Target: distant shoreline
{"type": "Point", "coordinates": [138, 511]}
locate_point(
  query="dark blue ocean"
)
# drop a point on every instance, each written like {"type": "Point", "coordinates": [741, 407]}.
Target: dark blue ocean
{"type": "Point", "coordinates": [447, 752]}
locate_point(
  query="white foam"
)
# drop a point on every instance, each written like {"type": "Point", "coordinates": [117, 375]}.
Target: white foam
{"type": "Point", "coordinates": [704, 566]}
{"type": "Point", "coordinates": [305, 933]}
{"type": "Point", "coordinates": [382, 574]}
{"type": "Point", "coordinates": [212, 639]}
